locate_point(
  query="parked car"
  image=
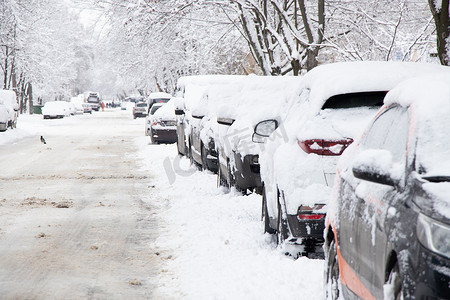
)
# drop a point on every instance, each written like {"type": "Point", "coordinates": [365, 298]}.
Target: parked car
{"type": "Point", "coordinates": [196, 121]}
{"type": "Point", "coordinates": [163, 124]}
{"type": "Point", "coordinates": [253, 100]}
{"type": "Point", "coordinates": [94, 99]}
{"type": "Point", "coordinates": [79, 109]}
{"type": "Point", "coordinates": [158, 97]}
{"type": "Point", "coordinates": [4, 117]}
{"type": "Point", "coordinates": [388, 226]}
{"type": "Point", "coordinates": [299, 159]}
{"type": "Point", "coordinates": [140, 110]}
{"type": "Point", "coordinates": [9, 110]}
{"type": "Point", "coordinates": [87, 108]}
{"type": "Point", "coordinates": [148, 119]}
{"type": "Point", "coordinates": [55, 109]}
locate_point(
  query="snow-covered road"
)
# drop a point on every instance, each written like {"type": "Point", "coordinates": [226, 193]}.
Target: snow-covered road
{"type": "Point", "coordinates": [100, 213]}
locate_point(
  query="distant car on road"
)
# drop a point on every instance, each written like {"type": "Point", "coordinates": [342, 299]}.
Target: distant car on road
{"type": "Point", "coordinates": [87, 108]}
{"type": "Point", "coordinates": [55, 109]}
{"type": "Point", "coordinates": [94, 100]}
{"type": "Point", "coordinates": [140, 110]}
{"type": "Point", "coordinates": [388, 225]}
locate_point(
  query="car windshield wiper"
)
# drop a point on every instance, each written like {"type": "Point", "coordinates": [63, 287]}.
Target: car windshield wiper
{"type": "Point", "coordinates": [440, 178]}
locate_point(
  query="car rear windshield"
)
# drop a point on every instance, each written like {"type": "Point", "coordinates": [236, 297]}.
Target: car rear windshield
{"type": "Point", "coordinates": [352, 100]}
{"type": "Point", "coordinates": [161, 100]}
{"type": "Point", "coordinates": [141, 104]}
{"type": "Point", "coordinates": [154, 108]}
{"type": "Point", "coordinates": [93, 99]}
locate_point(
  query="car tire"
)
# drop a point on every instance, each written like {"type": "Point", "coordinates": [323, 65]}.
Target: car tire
{"type": "Point", "coordinates": [265, 215]}
{"type": "Point", "coordinates": [221, 180]}
{"type": "Point", "coordinates": [282, 225]}
{"type": "Point", "coordinates": [394, 282]}
{"type": "Point", "coordinates": [333, 280]}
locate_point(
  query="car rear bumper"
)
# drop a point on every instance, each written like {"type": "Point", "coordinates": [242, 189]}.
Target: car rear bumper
{"type": "Point", "coordinates": [168, 136]}
{"type": "Point", "coordinates": [307, 233]}
{"type": "Point", "coordinates": [140, 114]}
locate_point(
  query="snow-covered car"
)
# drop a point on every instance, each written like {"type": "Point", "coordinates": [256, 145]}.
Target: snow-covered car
{"type": "Point", "coordinates": [72, 108]}
{"type": "Point", "coordinates": [56, 109]}
{"type": "Point", "coordinates": [158, 97]}
{"type": "Point", "coordinates": [4, 117]}
{"type": "Point", "coordinates": [148, 119]}
{"type": "Point", "coordinates": [140, 110]}
{"type": "Point", "coordinates": [196, 120]}
{"type": "Point", "coordinates": [253, 100]}
{"type": "Point", "coordinates": [388, 223]}
{"type": "Point", "coordinates": [79, 109]}
{"type": "Point", "coordinates": [87, 108]}
{"type": "Point", "coordinates": [163, 127]}
{"type": "Point", "coordinates": [9, 110]}
{"type": "Point", "coordinates": [298, 163]}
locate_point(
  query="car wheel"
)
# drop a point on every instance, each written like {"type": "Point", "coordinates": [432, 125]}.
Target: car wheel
{"type": "Point", "coordinates": [333, 280]}
{"type": "Point", "coordinates": [230, 177]}
{"type": "Point", "coordinates": [393, 288]}
{"type": "Point", "coordinates": [282, 226]}
{"type": "Point", "coordinates": [221, 181]}
{"type": "Point", "coordinates": [265, 215]}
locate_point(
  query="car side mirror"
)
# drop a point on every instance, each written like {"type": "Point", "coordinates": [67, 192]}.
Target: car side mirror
{"type": "Point", "coordinates": [263, 130]}
{"type": "Point", "coordinates": [179, 112]}
{"type": "Point", "coordinates": [377, 166]}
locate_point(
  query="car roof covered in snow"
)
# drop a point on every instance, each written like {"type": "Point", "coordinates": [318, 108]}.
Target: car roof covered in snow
{"type": "Point", "coordinates": [160, 95]}
{"type": "Point", "coordinates": [328, 80]}
{"type": "Point", "coordinates": [7, 97]}
{"type": "Point", "coordinates": [166, 112]}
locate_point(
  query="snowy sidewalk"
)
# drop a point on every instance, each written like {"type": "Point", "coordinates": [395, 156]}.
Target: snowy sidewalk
{"type": "Point", "coordinates": [212, 243]}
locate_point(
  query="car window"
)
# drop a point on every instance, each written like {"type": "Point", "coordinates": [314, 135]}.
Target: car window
{"type": "Point", "coordinates": [141, 104]}
{"type": "Point", "coordinates": [154, 109]}
{"type": "Point", "coordinates": [352, 100]}
{"type": "Point", "coordinates": [389, 132]}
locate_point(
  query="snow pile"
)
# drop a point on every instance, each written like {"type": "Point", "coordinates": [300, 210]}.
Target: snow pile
{"type": "Point", "coordinates": [212, 243]}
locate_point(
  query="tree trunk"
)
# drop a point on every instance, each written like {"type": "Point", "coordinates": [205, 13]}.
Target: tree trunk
{"type": "Point", "coordinates": [441, 18]}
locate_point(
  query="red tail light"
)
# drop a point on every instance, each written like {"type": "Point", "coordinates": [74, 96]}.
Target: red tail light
{"type": "Point", "coordinates": [325, 147]}
{"type": "Point", "coordinates": [308, 213]}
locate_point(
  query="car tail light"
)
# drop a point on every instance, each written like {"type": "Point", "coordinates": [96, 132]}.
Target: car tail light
{"type": "Point", "coordinates": [325, 147]}
{"type": "Point", "coordinates": [154, 123]}
{"type": "Point", "coordinates": [310, 213]}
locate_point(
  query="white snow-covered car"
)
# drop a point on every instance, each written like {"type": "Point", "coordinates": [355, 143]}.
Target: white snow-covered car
{"type": "Point", "coordinates": [163, 124]}
{"type": "Point", "coordinates": [149, 118]}
{"type": "Point", "coordinates": [56, 109]}
{"type": "Point", "coordinates": [79, 109]}
{"type": "Point", "coordinates": [298, 162]}
{"type": "Point", "coordinates": [9, 109]}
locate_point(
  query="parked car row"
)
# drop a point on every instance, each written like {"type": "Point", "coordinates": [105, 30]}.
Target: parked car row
{"type": "Point", "coordinates": [388, 223]}
{"type": "Point", "coordinates": [61, 109]}
{"type": "Point", "coordinates": [8, 110]}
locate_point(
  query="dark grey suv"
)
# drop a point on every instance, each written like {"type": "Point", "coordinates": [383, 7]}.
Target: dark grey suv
{"type": "Point", "coordinates": [388, 225]}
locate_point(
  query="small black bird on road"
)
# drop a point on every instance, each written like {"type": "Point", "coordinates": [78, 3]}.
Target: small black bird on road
{"type": "Point", "coordinates": [43, 140]}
